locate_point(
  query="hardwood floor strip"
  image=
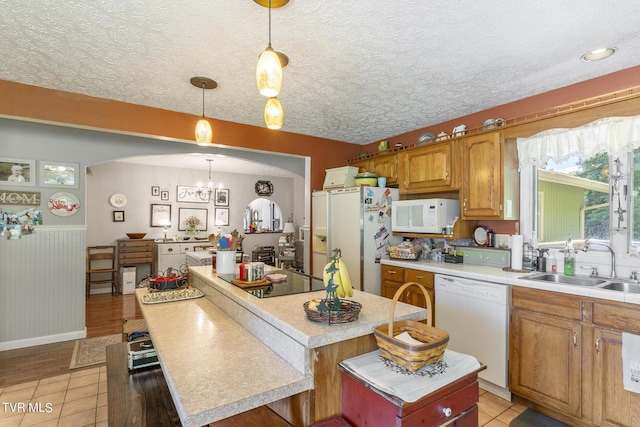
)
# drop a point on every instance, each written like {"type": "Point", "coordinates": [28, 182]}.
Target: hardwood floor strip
{"type": "Point", "coordinates": [104, 316]}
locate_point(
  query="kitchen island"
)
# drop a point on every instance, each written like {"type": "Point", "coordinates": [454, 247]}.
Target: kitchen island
{"type": "Point", "coordinates": [230, 351]}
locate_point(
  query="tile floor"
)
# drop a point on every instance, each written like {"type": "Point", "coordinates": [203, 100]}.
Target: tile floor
{"type": "Point", "coordinates": [495, 411]}
{"type": "Point", "coordinates": [78, 398]}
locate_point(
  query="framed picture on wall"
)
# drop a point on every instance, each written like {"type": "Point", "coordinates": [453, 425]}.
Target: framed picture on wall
{"type": "Point", "coordinates": [200, 215]}
{"type": "Point", "coordinates": [155, 190]}
{"type": "Point", "coordinates": [118, 216]}
{"type": "Point", "coordinates": [185, 193]}
{"type": "Point", "coordinates": [222, 197]}
{"type": "Point", "coordinates": [222, 216]}
{"type": "Point", "coordinates": [19, 172]}
{"type": "Point", "coordinates": [55, 174]}
{"type": "Point", "coordinates": [164, 195]}
{"type": "Point", "coordinates": [160, 215]}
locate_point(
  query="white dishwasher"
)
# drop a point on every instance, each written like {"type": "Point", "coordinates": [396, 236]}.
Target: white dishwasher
{"type": "Point", "coordinates": [476, 316]}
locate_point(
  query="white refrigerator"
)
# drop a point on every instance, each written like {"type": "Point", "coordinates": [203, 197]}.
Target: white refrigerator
{"type": "Point", "coordinates": [357, 220]}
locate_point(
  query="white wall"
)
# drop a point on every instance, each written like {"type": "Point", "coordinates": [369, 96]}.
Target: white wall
{"type": "Point", "coordinates": [135, 182]}
{"type": "Point", "coordinates": [45, 142]}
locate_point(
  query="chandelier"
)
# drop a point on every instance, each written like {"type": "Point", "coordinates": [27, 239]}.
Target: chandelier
{"type": "Point", "coordinates": [204, 133]}
{"type": "Point", "coordinates": [205, 189]}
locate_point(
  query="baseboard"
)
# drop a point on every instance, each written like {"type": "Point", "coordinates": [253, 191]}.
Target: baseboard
{"type": "Point", "coordinates": [47, 339]}
{"type": "Point", "coordinates": [495, 389]}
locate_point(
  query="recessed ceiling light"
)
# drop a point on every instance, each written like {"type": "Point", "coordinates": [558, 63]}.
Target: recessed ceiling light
{"type": "Point", "coordinates": [598, 54]}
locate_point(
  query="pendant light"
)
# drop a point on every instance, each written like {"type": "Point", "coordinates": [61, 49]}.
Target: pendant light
{"type": "Point", "coordinates": [273, 114]}
{"type": "Point", "coordinates": [270, 62]}
{"type": "Point", "coordinates": [204, 133]}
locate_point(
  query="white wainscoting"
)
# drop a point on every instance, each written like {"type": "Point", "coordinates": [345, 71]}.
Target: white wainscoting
{"type": "Point", "coordinates": [42, 291]}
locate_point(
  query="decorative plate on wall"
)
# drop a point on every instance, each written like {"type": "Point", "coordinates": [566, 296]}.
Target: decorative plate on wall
{"type": "Point", "coordinates": [63, 204]}
{"type": "Point", "coordinates": [118, 200]}
{"type": "Point", "coordinates": [264, 188]}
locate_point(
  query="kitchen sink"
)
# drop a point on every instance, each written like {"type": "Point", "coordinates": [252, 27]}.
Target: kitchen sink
{"type": "Point", "coordinates": [566, 280]}
{"type": "Point", "coordinates": [633, 288]}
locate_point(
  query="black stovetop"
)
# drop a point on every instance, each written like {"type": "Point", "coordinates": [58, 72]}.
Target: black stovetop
{"type": "Point", "coordinates": [295, 283]}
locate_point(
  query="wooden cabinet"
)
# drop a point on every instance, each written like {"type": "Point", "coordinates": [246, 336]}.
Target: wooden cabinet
{"type": "Point", "coordinates": [429, 168]}
{"type": "Point", "coordinates": [490, 184]}
{"type": "Point", "coordinates": [540, 331]}
{"type": "Point", "coordinates": [135, 252]}
{"type": "Point", "coordinates": [394, 277]}
{"type": "Point", "coordinates": [612, 404]}
{"type": "Point", "coordinates": [385, 165]}
{"type": "Point", "coordinates": [455, 404]}
{"type": "Point", "coordinates": [566, 355]}
{"type": "Point", "coordinates": [325, 399]}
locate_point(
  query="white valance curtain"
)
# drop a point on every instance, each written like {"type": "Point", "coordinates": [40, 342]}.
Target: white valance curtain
{"type": "Point", "coordinates": [614, 135]}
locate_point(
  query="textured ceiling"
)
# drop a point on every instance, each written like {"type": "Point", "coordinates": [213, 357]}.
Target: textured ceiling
{"type": "Point", "coordinates": [359, 71]}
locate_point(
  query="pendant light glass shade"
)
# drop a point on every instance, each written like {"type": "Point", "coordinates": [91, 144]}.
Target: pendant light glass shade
{"type": "Point", "coordinates": [269, 73]}
{"type": "Point", "coordinates": [204, 133]}
{"type": "Point", "coordinates": [273, 114]}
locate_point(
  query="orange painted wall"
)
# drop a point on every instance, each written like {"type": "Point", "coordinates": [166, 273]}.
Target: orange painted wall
{"type": "Point", "coordinates": [599, 86]}
{"type": "Point", "coordinates": [41, 104]}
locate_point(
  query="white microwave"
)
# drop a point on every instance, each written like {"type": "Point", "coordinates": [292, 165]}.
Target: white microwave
{"type": "Point", "coordinates": [423, 215]}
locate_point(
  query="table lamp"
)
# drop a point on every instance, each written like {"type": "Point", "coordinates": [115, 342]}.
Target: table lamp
{"type": "Point", "coordinates": [288, 231]}
{"type": "Point", "coordinates": [166, 224]}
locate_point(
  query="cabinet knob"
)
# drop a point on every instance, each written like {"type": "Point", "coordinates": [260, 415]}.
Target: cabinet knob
{"type": "Point", "coordinates": [419, 277]}
{"type": "Point", "coordinates": [447, 412]}
{"type": "Point", "coordinates": [391, 271]}
{"type": "Point", "coordinates": [170, 250]}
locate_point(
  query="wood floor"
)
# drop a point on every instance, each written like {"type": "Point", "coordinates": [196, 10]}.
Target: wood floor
{"type": "Point", "coordinates": [104, 315]}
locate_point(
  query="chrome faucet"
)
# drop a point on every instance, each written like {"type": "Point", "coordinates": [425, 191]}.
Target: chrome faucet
{"type": "Point", "coordinates": [587, 246]}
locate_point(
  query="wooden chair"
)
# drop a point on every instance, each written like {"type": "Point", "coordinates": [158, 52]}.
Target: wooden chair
{"type": "Point", "coordinates": [101, 262]}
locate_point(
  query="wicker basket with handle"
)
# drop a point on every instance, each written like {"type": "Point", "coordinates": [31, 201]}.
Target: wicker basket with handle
{"type": "Point", "coordinates": [411, 356]}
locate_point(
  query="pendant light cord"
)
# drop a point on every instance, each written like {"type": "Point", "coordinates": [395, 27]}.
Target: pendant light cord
{"type": "Point", "coordinates": [203, 85]}
{"type": "Point", "coordinates": [269, 23]}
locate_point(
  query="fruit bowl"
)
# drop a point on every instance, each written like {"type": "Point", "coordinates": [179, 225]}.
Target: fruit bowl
{"type": "Point", "coordinates": [336, 311]}
{"type": "Point", "coordinates": [136, 235]}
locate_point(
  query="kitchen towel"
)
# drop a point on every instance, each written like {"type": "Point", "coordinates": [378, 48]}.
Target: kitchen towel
{"type": "Point", "coordinates": [516, 252]}
{"type": "Point", "coordinates": [371, 368]}
{"type": "Point", "coordinates": [631, 362]}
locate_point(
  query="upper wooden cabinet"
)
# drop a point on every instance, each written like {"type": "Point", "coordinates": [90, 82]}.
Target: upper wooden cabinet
{"type": "Point", "coordinates": [429, 168]}
{"type": "Point", "coordinates": [490, 184]}
{"type": "Point", "coordinates": [384, 166]}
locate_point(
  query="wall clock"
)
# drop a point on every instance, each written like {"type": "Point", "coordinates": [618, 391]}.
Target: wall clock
{"type": "Point", "coordinates": [264, 188]}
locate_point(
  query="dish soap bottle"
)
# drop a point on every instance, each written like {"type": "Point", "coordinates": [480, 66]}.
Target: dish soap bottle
{"type": "Point", "coordinates": [569, 258]}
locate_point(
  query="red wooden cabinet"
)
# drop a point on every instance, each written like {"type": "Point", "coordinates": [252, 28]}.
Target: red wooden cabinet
{"type": "Point", "coordinates": [454, 405]}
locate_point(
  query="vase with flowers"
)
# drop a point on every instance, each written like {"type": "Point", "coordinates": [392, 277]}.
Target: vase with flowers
{"type": "Point", "coordinates": [192, 225]}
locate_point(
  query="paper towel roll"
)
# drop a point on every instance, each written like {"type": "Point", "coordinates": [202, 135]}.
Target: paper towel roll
{"type": "Point", "coordinates": [516, 252]}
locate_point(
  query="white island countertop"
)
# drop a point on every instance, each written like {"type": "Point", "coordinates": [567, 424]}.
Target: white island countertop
{"type": "Point", "coordinates": [230, 351]}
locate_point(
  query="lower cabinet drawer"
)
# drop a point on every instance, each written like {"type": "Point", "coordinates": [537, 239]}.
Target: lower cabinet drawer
{"type": "Point", "coordinates": [456, 404]}
{"type": "Point", "coordinates": [393, 273]}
